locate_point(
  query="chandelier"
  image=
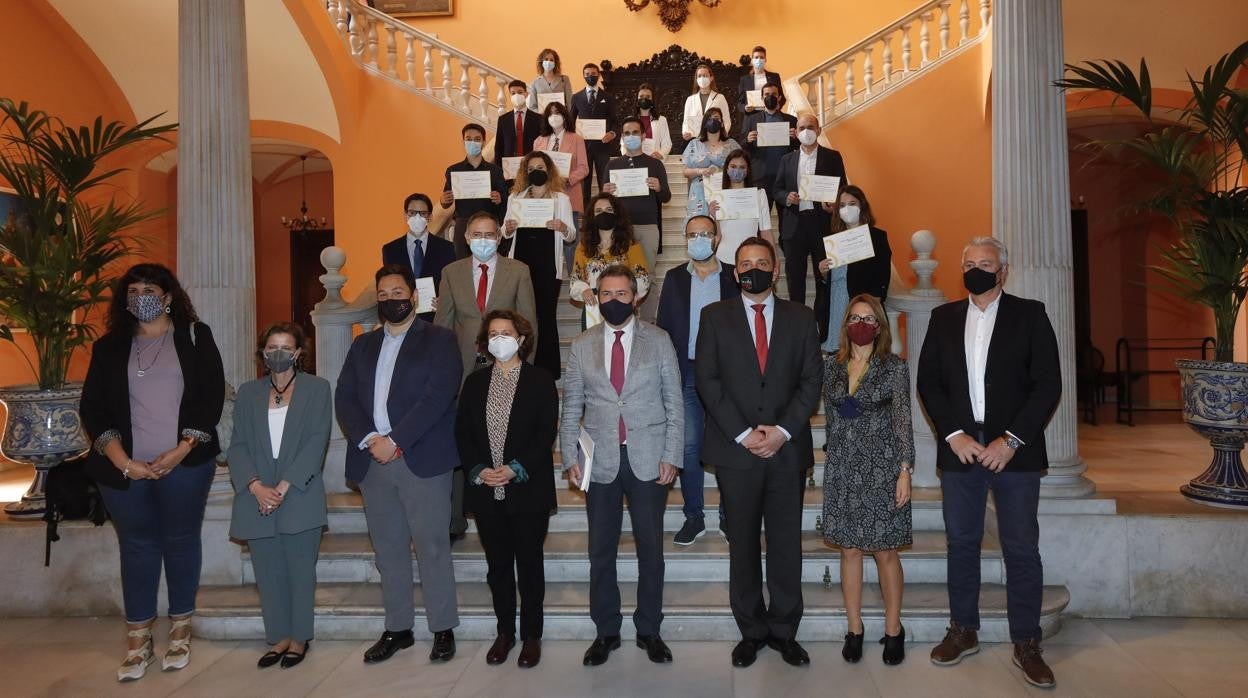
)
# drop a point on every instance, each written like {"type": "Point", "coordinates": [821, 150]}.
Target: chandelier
{"type": "Point", "coordinates": [303, 221]}
{"type": "Point", "coordinates": [672, 13]}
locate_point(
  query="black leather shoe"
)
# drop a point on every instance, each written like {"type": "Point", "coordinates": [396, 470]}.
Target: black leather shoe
{"type": "Point", "coordinates": [894, 647]}
{"type": "Point", "coordinates": [852, 651]}
{"type": "Point", "coordinates": [270, 658]}
{"type": "Point", "coordinates": [790, 651]}
{"type": "Point", "coordinates": [457, 537]}
{"type": "Point", "coordinates": [746, 652]}
{"type": "Point", "coordinates": [655, 648]}
{"type": "Point", "coordinates": [443, 646]}
{"type": "Point", "coordinates": [500, 649]}
{"type": "Point", "coordinates": [530, 653]}
{"type": "Point", "coordinates": [292, 659]}
{"type": "Point", "coordinates": [389, 643]}
{"type": "Point", "coordinates": [598, 652]}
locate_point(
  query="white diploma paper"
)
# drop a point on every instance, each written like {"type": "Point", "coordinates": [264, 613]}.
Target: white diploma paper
{"type": "Point", "coordinates": [812, 187]}
{"type": "Point", "coordinates": [534, 213]}
{"type": "Point", "coordinates": [853, 245]}
{"type": "Point", "coordinates": [754, 98]}
{"type": "Point", "coordinates": [593, 315]}
{"type": "Point", "coordinates": [470, 185]}
{"type": "Point", "coordinates": [591, 129]}
{"type": "Point", "coordinates": [585, 449]}
{"type": "Point", "coordinates": [631, 182]}
{"type": "Point", "coordinates": [563, 161]}
{"type": "Point", "coordinates": [544, 98]}
{"type": "Point", "coordinates": [772, 133]}
{"type": "Point", "coordinates": [425, 293]}
{"type": "Point", "coordinates": [511, 166]}
{"type": "Point", "coordinates": [736, 204]}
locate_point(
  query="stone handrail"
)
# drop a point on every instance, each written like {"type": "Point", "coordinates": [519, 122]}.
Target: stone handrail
{"type": "Point", "coordinates": [464, 85]}
{"type": "Point", "coordinates": [851, 79]}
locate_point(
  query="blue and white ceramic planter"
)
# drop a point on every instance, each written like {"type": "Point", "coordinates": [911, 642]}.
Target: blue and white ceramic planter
{"type": "Point", "coordinates": [42, 429]}
{"type": "Point", "coordinates": [1215, 405]}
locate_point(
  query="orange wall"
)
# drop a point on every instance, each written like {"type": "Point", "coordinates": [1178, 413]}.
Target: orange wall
{"type": "Point", "coordinates": [273, 241]}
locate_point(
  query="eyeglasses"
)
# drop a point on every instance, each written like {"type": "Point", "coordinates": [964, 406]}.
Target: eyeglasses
{"type": "Point", "coordinates": [699, 234]}
{"type": "Point", "coordinates": [483, 235]}
{"type": "Point", "coordinates": [422, 214]}
{"type": "Point", "coordinates": [869, 319]}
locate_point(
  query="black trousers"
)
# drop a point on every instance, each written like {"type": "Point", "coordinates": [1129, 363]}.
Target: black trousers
{"type": "Point", "coordinates": [513, 553]}
{"type": "Point", "coordinates": [598, 155]}
{"type": "Point", "coordinates": [534, 247]}
{"type": "Point", "coordinates": [604, 505]}
{"type": "Point", "coordinates": [752, 496]}
{"type": "Point", "coordinates": [807, 243]}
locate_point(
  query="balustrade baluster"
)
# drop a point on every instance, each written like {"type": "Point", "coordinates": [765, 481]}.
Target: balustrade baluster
{"type": "Point", "coordinates": [924, 42]}
{"type": "Point", "coordinates": [463, 84]}
{"type": "Point", "coordinates": [984, 16]}
{"type": "Point", "coordinates": [446, 76]}
{"type": "Point", "coordinates": [502, 95]}
{"type": "Point", "coordinates": [964, 21]}
{"type": "Point", "coordinates": [905, 49]}
{"type": "Point", "coordinates": [888, 59]}
{"type": "Point", "coordinates": [392, 52]}
{"type": "Point", "coordinates": [944, 27]}
{"type": "Point", "coordinates": [340, 17]}
{"type": "Point", "coordinates": [481, 93]}
{"type": "Point", "coordinates": [354, 41]}
{"type": "Point", "coordinates": [867, 72]}
{"type": "Point", "coordinates": [428, 66]}
{"type": "Point", "coordinates": [370, 51]}
{"type": "Point", "coordinates": [831, 110]}
{"type": "Point", "coordinates": [409, 60]}
{"type": "Point", "coordinates": [849, 82]}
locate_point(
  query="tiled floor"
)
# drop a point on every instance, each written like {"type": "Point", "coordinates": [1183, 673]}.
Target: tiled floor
{"type": "Point", "coordinates": [1103, 658]}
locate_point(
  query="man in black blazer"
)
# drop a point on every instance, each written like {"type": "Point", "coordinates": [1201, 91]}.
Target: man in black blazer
{"type": "Point", "coordinates": [754, 78]}
{"type": "Point", "coordinates": [686, 291]}
{"type": "Point", "coordinates": [803, 223]}
{"type": "Point", "coordinates": [765, 161]}
{"type": "Point", "coordinates": [495, 204]}
{"type": "Point", "coordinates": [401, 451]}
{"type": "Point", "coordinates": [418, 251]}
{"type": "Point", "coordinates": [990, 379]}
{"type": "Point", "coordinates": [518, 128]}
{"type": "Point", "coordinates": [760, 376]}
{"type": "Point", "coordinates": [594, 103]}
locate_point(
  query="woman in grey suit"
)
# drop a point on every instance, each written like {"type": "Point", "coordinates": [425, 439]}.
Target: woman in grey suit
{"type": "Point", "coordinates": [281, 433]}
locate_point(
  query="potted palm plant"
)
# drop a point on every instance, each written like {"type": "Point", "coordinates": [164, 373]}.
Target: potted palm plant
{"type": "Point", "coordinates": [59, 244]}
{"type": "Point", "coordinates": [1202, 151]}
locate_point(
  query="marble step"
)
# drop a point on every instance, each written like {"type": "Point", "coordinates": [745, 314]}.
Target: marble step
{"type": "Point", "coordinates": [348, 557]}
{"type": "Point", "coordinates": [346, 511]}
{"type": "Point", "coordinates": [696, 611]}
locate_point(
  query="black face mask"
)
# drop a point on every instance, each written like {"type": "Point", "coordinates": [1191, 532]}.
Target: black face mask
{"type": "Point", "coordinates": [978, 281]}
{"type": "Point", "coordinates": [605, 220]}
{"type": "Point", "coordinates": [714, 125]}
{"type": "Point", "coordinates": [645, 103]}
{"type": "Point", "coordinates": [754, 280]}
{"type": "Point", "coordinates": [394, 310]}
{"type": "Point", "coordinates": [771, 102]}
{"type": "Point", "coordinates": [616, 312]}
{"type": "Point", "coordinates": [538, 177]}
{"type": "Point", "coordinates": [591, 80]}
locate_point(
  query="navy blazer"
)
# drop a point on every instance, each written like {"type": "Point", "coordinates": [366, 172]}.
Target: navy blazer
{"type": "Point", "coordinates": [604, 108]}
{"type": "Point", "coordinates": [674, 306]}
{"type": "Point", "coordinates": [745, 84]}
{"type": "Point", "coordinates": [421, 403]}
{"type": "Point", "coordinates": [441, 252]}
{"type": "Point", "coordinates": [828, 162]}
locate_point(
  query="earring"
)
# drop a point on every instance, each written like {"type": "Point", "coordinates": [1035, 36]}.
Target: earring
{"type": "Point", "coordinates": [168, 310]}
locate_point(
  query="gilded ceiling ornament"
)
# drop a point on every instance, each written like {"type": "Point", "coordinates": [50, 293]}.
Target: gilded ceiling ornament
{"type": "Point", "coordinates": [672, 13]}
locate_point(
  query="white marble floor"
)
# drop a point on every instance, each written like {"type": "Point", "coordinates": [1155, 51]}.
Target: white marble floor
{"type": "Point", "coordinates": [1102, 658]}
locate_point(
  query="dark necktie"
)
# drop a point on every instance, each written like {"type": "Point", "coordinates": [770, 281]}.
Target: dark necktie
{"type": "Point", "coordinates": [617, 375]}
{"type": "Point", "coordinates": [418, 258]}
{"type": "Point", "coordinates": [592, 93]}
{"type": "Point", "coordinates": [760, 336]}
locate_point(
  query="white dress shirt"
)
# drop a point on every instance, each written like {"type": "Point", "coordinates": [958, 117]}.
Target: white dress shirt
{"type": "Point", "coordinates": [423, 238]}
{"type": "Point", "coordinates": [769, 313]}
{"type": "Point", "coordinates": [390, 345]}
{"type": "Point", "coordinates": [608, 342]}
{"type": "Point", "coordinates": [760, 79]}
{"type": "Point", "coordinates": [806, 165]}
{"type": "Point", "coordinates": [491, 267]}
{"type": "Point", "coordinates": [977, 337]}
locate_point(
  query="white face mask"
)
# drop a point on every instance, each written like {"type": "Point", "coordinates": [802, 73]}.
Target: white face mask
{"type": "Point", "coordinates": [417, 224]}
{"type": "Point", "coordinates": [555, 121]}
{"type": "Point", "coordinates": [548, 66]}
{"type": "Point", "coordinates": [850, 214]}
{"type": "Point", "coordinates": [807, 136]}
{"type": "Point", "coordinates": [704, 82]}
{"type": "Point", "coordinates": [503, 347]}
{"type": "Point", "coordinates": [518, 100]}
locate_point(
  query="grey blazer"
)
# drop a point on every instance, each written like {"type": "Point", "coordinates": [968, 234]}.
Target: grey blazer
{"type": "Point", "coordinates": [305, 438]}
{"type": "Point", "coordinates": [652, 404]}
{"type": "Point", "coordinates": [457, 301]}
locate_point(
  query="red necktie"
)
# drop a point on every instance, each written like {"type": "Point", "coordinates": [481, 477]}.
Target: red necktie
{"type": "Point", "coordinates": [760, 336]}
{"type": "Point", "coordinates": [617, 375]}
{"type": "Point", "coordinates": [519, 132]}
{"type": "Point", "coordinates": [483, 287]}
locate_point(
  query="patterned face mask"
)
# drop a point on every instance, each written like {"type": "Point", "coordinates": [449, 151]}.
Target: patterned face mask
{"type": "Point", "coordinates": [145, 307]}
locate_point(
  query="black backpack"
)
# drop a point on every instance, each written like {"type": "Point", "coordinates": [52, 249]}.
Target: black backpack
{"type": "Point", "coordinates": [71, 495]}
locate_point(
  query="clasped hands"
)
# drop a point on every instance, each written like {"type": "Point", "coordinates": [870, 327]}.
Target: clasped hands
{"type": "Point", "coordinates": [268, 499]}
{"type": "Point", "coordinates": [497, 476]}
{"type": "Point", "coordinates": [667, 473]}
{"type": "Point", "coordinates": [159, 467]}
{"type": "Point", "coordinates": [764, 441]}
{"type": "Point", "coordinates": [994, 456]}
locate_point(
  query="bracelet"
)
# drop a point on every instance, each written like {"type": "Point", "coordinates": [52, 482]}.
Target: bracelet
{"type": "Point", "coordinates": [125, 473]}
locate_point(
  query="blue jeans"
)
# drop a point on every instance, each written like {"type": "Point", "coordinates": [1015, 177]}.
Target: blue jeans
{"type": "Point", "coordinates": [158, 522]}
{"type": "Point", "coordinates": [692, 477]}
{"type": "Point", "coordinates": [1017, 496]}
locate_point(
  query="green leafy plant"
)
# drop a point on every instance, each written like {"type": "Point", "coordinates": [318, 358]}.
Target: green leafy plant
{"type": "Point", "coordinates": [58, 251]}
{"type": "Point", "coordinates": [1202, 151]}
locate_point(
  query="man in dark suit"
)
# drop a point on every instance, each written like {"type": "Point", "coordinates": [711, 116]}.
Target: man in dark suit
{"type": "Point", "coordinates": [804, 223]}
{"type": "Point", "coordinates": [754, 78]}
{"type": "Point", "coordinates": [518, 128]}
{"type": "Point", "coordinates": [686, 291]}
{"type": "Point", "coordinates": [760, 376]}
{"type": "Point", "coordinates": [990, 379]}
{"type": "Point", "coordinates": [495, 204]}
{"type": "Point", "coordinates": [419, 252]}
{"type": "Point", "coordinates": [594, 103]}
{"type": "Point", "coordinates": [402, 451]}
{"type": "Point", "coordinates": [765, 161]}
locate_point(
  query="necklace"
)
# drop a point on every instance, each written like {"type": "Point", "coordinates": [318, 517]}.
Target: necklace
{"type": "Point", "coordinates": [138, 355]}
{"type": "Point", "coordinates": [277, 399]}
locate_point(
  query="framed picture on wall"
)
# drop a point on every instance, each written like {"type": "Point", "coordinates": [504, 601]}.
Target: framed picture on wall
{"type": "Point", "coordinates": [415, 8]}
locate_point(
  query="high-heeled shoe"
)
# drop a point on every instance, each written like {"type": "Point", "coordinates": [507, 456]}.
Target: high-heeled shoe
{"type": "Point", "coordinates": [852, 651]}
{"type": "Point", "coordinates": [293, 658]}
{"type": "Point", "coordinates": [179, 653]}
{"type": "Point", "coordinates": [894, 647]}
{"type": "Point", "coordinates": [134, 666]}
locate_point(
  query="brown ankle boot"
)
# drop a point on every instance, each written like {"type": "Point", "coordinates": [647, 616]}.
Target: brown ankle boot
{"type": "Point", "coordinates": [1027, 657]}
{"type": "Point", "coordinates": [959, 642]}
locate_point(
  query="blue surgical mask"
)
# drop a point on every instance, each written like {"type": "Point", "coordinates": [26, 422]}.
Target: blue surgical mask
{"type": "Point", "coordinates": [548, 66]}
{"type": "Point", "coordinates": [736, 174]}
{"type": "Point", "coordinates": [473, 148]}
{"type": "Point", "coordinates": [483, 248]}
{"type": "Point", "coordinates": [632, 142]}
{"type": "Point", "coordinates": [759, 63]}
{"type": "Point", "coordinates": [700, 248]}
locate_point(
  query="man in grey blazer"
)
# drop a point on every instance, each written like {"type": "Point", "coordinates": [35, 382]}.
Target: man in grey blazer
{"type": "Point", "coordinates": [622, 383]}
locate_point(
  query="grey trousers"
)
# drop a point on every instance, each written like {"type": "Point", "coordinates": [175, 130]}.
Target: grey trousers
{"type": "Point", "coordinates": [285, 567]}
{"type": "Point", "coordinates": [402, 509]}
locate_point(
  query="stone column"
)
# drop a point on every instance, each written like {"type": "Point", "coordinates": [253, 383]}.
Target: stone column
{"type": "Point", "coordinates": [1031, 200]}
{"type": "Point", "coordinates": [216, 243]}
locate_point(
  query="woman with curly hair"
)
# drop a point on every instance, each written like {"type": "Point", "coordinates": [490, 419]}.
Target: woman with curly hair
{"type": "Point", "coordinates": [606, 239]}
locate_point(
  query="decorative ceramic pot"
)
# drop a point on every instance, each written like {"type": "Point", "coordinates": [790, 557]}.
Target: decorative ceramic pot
{"type": "Point", "coordinates": [1215, 405]}
{"type": "Point", "coordinates": [42, 429]}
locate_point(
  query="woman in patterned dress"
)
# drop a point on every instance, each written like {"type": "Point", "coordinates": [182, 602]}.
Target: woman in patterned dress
{"type": "Point", "coordinates": [870, 456]}
{"type": "Point", "coordinates": [606, 239]}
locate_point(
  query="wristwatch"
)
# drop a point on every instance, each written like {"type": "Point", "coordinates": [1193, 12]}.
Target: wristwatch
{"type": "Point", "coordinates": [1012, 441]}
{"type": "Point", "coordinates": [909, 469]}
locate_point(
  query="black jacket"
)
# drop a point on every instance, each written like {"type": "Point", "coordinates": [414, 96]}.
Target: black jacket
{"type": "Point", "coordinates": [441, 252]}
{"type": "Point", "coordinates": [531, 433]}
{"type": "Point", "coordinates": [874, 274]}
{"type": "Point", "coordinates": [765, 162]}
{"type": "Point", "coordinates": [744, 85]}
{"type": "Point", "coordinates": [673, 315]}
{"type": "Point", "coordinates": [105, 404]}
{"type": "Point", "coordinates": [505, 143]}
{"type": "Point", "coordinates": [828, 162]}
{"type": "Point", "coordinates": [1022, 380]}
{"type": "Point", "coordinates": [602, 108]}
